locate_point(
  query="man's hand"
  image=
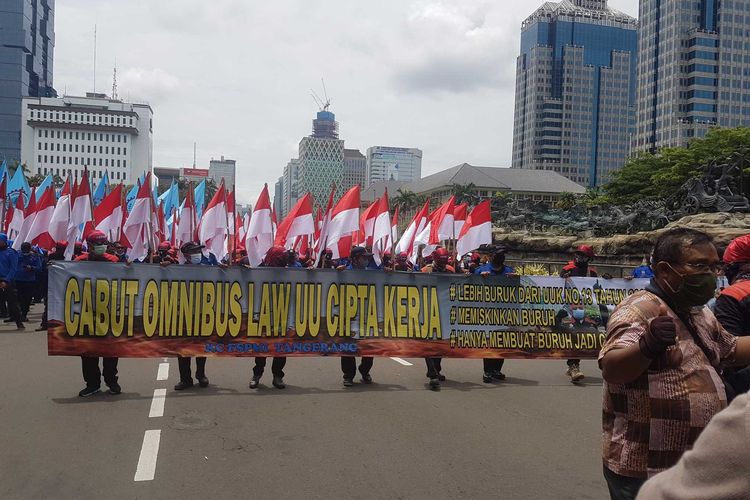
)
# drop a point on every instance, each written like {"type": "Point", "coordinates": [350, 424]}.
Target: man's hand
{"type": "Point", "coordinates": [3, 285]}
{"type": "Point", "coordinates": [223, 265]}
{"type": "Point", "coordinates": [341, 268]}
{"type": "Point", "coordinates": [484, 274]}
{"type": "Point", "coordinates": [164, 263]}
{"type": "Point", "coordinates": [661, 334]}
{"type": "Point", "coordinates": [606, 276]}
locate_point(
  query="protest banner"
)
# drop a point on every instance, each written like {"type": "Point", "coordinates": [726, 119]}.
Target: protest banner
{"type": "Point", "coordinates": [145, 310]}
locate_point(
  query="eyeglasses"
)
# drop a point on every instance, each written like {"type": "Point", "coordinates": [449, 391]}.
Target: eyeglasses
{"type": "Point", "coordinates": [703, 268]}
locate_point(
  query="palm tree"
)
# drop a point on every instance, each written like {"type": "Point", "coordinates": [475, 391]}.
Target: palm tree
{"type": "Point", "coordinates": [408, 200]}
{"type": "Point", "coordinates": [465, 193]}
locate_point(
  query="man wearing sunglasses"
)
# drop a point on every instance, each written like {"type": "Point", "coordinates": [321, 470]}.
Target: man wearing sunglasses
{"type": "Point", "coordinates": [661, 363]}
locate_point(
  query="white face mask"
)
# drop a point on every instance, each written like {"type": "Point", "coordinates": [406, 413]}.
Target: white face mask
{"type": "Point", "coordinates": [195, 258]}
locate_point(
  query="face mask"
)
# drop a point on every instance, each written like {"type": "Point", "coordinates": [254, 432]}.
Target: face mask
{"type": "Point", "coordinates": [695, 289]}
{"type": "Point", "coordinates": [99, 249]}
{"type": "Point", "coordinates": [578, 314]}
{"type": "Point", "coordinates": [195, 258]}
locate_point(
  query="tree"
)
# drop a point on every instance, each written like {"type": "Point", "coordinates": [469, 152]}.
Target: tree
{"type": "Point", "coordinates": [465, 193]}
{"type": "Point", "coordinates": [36, 180]}
{"type": "Point", "coordinates": [407, 200]}
{"type": "Point", "coordinates": [567, 201]}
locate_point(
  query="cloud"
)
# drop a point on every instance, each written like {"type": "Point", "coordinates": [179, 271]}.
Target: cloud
{"type": "Point", "coordinates": [154, 85]}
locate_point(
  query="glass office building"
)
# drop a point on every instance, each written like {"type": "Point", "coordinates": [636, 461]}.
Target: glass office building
{"type": "Point", "coordinates": [693, 70]}
{"type": "Point", "coordinates": [385, 163]}
{"type": "Point", "coordinates": [27, 41]}
{"type": "Point", "coordinates": [321, 160]}
{"type": "Point", "coordinates": [575, 90]}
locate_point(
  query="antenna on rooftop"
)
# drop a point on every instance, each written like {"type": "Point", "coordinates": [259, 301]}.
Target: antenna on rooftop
{"type": "Point", "coordinates": [114, 82]}
{"type": "Point", "coordinates": [95, 58]}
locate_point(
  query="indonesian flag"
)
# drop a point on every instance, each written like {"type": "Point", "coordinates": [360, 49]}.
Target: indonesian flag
{"type": "Point", "coordinates": [214, 224]}
{"type": "Point", "coordinates": [232, 229]}
{"type": "Point", "coordinates": [30, 214]}
{"type": "Point", "coordinates": [108, 214]}
{"type": "Point", "coordinates": [173, 233]}
{"type": "Point", "coordinates": [381, 230]}
{"type": "Point", "coordinates": [185, 228]}
{"type": "Point", "coordinates": [137, 226]}
{"type": "Point", "coordinates": [344, 223]}
{"type": "Point", "coordinates": [15, 217]}
{"type": "Point", "coordinates": [3, 198]}
{"type": "Point", "coordinates": [298, 222]}
{"type": "Point", "coordinates": [416, 226]}
{"type": "Point", "coordinates": [367, 225]}
{"type": "Point", "coordinates": [459, 218]}
{"type": "Point", "coordinates": [160, 223]}
{"type": "Point", "coordinates": [322, 227]}
{"type": "Point", "coordinates": [274, 221]}
{"type": "Point", "coordinates": [245, 226]}
{"type": "Point", "coordinates": [394, 229]}
{"type": "Point", "coordinates": [259, 237]}
{"type": "Point", "coordinates": [442, 223]}
{"type": "Point", "coordinates": [477, 230]}
{"type": "Point", "coordinates": [39, 231]}
{"type": "Point", "coordinates": [80, 213]}
{"type": "Point", "coordinates": [58, 225]}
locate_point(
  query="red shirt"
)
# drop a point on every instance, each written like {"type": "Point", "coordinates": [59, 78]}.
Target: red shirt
{"type": "Point", "coordinates": [107, 257]}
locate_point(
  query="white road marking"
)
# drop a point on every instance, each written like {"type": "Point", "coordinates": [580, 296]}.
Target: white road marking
{"type": "Point", "coordinates": [163, 373]}
{"type": "Point", "coordinates": [164, 360]}
{"type": "Point", "coordinates": [147, 460]}
{"type": "Point", "coordinates": [157, 403]}
{"type": "Point", "coordinates": [402, 361]}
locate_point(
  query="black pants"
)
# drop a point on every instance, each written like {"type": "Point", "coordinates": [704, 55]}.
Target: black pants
{"type": "Point", "coordinates": [572, 362]}
{"type": "Point", "coordinates": [9, 295]}
{"type": "Point", "coordinates": [493, 364]}
{"type": "Point", "coordinates": [433, 367]}
{"type": "Point", "coordinates": [622, 487]}
{"type": "Point", "coordinates": [26, 291]}
{"type": "Point", "coordinates": [92, 375]}
{"type": "Point", "coordinates": [277, 366]}
{"type": "Point", "coordinates": [184, 365]}
{"type": "Point", "coordinates": [349, 366]}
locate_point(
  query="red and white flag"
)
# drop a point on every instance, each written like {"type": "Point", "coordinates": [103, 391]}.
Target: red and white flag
{"type": "Point", "coordinates": [108, 214]}
{"type": "Point", "coordinates": [159, 223]}
{"type": "Point", "coordinates": [477, 230]}
{"type": "Point", "coordinates": [80, 213]}
{"type": "Point", "coordinates": [185, 227]}
{"type": "Point", "coordinates": [137, 227]}
{"type": "Point", "coordinates": [58, 226]}
{"type": "Point", "coordinates": [442, 223]}
{"type": "Point", "coordinates": [406, 242]}
{"type": "Point", "coordinates": [232, 229]}
{"type": "Point", "coordinates": [39, 230]}
{"type": "Point", "coordinates": [259, 237]}
{"type": "Point", "coordinates": [459, 218]}
{"type": "Point", "coordinates": [214, 224]}
{"type": "Point", "coordinates": [322, 228]}
{"type": "Point", "coordinates": [14, 218]}
{"type": "Point", "coordinates": [29, 215]}
{"type": "Point", "coordinates": [344, 223]}
{"type": "Point", "coordinates": [394, 229]}
{"type": "Point", "coordinates": [298, 222]}
{"type": "Point", "coordinates": [381, 230]}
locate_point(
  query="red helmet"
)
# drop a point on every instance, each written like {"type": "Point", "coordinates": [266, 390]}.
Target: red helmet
{"type": "Point", "coordinates": [441, 255]}
{"type": "Point", "coordinates": [276, 257]}
{"type": "Point", "coordinates": [61, 245]}
{"type": "Point", "coordinates": [402, 257]}
{"type": "Point", "coordinates": [97, 238]}
{"type": "Point", "coordinates": [164, 245]}
{"type": "Point", "coordinates": [586, 250]}
{"type": "Point", "coordinates": [78, 246]}
{"type": "Point", "coordinates": [738, 250]}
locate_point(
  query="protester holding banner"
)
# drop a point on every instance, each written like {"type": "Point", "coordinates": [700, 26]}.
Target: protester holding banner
{"type": "Point", "coordinates": [163, 254]}
{"type": "Point", "coordinates": [493, 367]}
{"type": "Point", "coordinates": [8, 271]}
{"type": "Point", "coordinates": [58, 253]}
{"type": "Point", "coordinates": [275, 257]}
{"type": "Point", "coordinates": [97, 246]}
{"type": "Point", "coordinates": [439, 265]}
{"type": "Point", "coordinates": [579, 267]}
{"type": "Point", "coordinates": [29, 264]}
{"type": "Point", "coordinates": [661, 363]}
{"type": "Point", "coordinates": [193, 253]}
{"type": "Point", "coordinates": [360, 259]}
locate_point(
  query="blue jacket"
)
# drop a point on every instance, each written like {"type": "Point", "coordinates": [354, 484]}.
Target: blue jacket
{"type": "Point", "coordinates": [643, 272]}
{"type": "Point", "coordinates": [8, 265]}
{"type": "Point", "coordinates": [31, 260]}
{"type": "Point", "coordinates": [487, 268]}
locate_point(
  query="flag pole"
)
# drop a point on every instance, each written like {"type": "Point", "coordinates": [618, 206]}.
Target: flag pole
{"type": "Point", "coordinates": [234, 223]}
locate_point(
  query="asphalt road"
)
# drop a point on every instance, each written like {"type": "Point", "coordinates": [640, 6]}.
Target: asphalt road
{"type": "Point", "coordinates": [533, 436]}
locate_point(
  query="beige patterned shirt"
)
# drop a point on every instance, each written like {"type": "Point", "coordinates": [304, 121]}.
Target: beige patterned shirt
{"type": "Point", "coordinates": [649, 423]}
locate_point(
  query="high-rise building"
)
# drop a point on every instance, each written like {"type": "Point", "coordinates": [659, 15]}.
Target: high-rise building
{"type": "Point", "coordinates": [321, 159]}
{"type": "Point", "coordinates": [278, 195]}
{"type": "Point", "coordinates": [575, 90]}
{"type": "Point", "coordinates": [385, 163]}
{"type": "Point", "coordinates": [693, 70]}
{"type": "Point", "coordinates": [27, 42]}
{"type": "Point", "coordinates": [355, 166]}
{"type": "Point", "coordinates": [290, 186]}
{"type": "Point", "coordinates": [64, 135]}
{"type": "Point", "coordinates": [223, 169]}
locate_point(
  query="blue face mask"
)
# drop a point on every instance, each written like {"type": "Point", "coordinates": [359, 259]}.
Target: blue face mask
{"type": "Point", "coordinates": [195, 258]}
{"type": "Point", "coordinates": [578, 314]}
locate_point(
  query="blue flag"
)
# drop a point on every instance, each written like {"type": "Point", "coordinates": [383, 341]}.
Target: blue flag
{"type": "Point", "coordinates": [170, 199]}
{"type": "Point", "coordinates": [102, 189]}
{"type": "Point", "coordinates": [4, 170]}
{"type": "Point", "coordinates": [17, 185]}
{"type": "Point", "coordinates": [200, 199]}
{"type": "Point", "coordinates": [133, 193]}
{"type": "Point", "coordinates": [45, 185]}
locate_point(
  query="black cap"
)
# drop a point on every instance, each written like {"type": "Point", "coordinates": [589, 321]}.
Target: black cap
{"type": "Point", "coordinates": [360, 252]}
{"type": "Point", "coordinates": [191, 247]}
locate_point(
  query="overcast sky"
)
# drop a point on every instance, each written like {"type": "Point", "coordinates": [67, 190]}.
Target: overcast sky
{"type": "Point", "coordinates": [235, 75]}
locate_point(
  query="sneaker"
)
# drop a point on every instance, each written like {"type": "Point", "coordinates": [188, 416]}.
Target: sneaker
{"type": "Point", "coordinates": [41, 329]}
{"type": "Point", "coordinates": [202, 381]}
{"type": "Point", "coordinates": [498, 375]}
{"type": "Point", "coordinates": [434, 384]}
{"type": "Point", "coordinates": [20, 325]}
{"type": "Point", "coordinates": [114, 388]}
{"type": "Point", "coordinates": [278, 382]}
{"type": "Point", "coordinates": [254, 382]}
{"type": "Point", "coordinates": [182, 385]}
{"type": "Point", "coordinates": [487, 378]}
{"type": "Point", "coordinates": [366, 378]}
{"type": "Point", "coordinates": [575, 373]}
{"type": "Point", "coordinates": [441, 377]}
{"type": "Point", "coordinates": [89, 391]}
{"type": "Point", "coordinates": [348, 382]}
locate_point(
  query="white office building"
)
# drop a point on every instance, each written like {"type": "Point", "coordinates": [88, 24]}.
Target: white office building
{"type": "Point", "coordinates": [393, 164]}
{"type": "Point", "coordinates": [63, 135]}
{"type": "Point", "coordinates": [223, 169]}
